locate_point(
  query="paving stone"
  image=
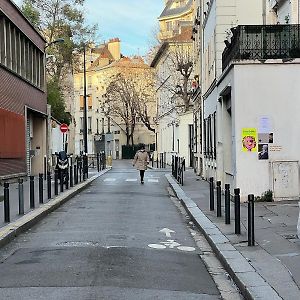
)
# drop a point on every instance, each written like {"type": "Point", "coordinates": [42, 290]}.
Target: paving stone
{"type": "Point", "coordinates": [231, 254]}
{"type": "Point", "coordinates": [252, 279]}
{"type": "Point", "coordinates": [240, 265]}
{"type": "Point", "coordinates": [264, 292]}
{"type": "Point", "coordinates": [218, 238]}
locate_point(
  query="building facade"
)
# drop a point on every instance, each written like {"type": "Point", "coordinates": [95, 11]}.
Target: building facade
{"type": "Point", "coordinates": [175, 133]}
{"type": "Point", "coordinates": [23, 101]}
{"type": "Point", "coordinates": [106, 133]}
{"type": "Point", "coordinates": [245, 73]}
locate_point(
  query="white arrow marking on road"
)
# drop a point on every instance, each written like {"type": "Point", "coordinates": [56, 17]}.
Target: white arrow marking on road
{"type": "Point", "coordinates": [167, 231]}
{"type": "Point", "coordinates": [171, 244]}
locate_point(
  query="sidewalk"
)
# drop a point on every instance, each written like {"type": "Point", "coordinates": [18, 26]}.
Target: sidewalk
{"type": "Point", "coordinates": [20, 223]}
{"type": "Point", "coordinates": [270, 269]}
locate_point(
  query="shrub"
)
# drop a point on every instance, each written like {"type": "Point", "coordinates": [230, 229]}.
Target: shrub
{"type": "Point", "coordinates": [266, 196]}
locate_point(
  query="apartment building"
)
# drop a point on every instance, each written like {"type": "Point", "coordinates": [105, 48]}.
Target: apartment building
{"type": "Point", "coordinates": [23, 101]}
{"type": "Point", "coordinates": [249, 61]}
{"type": "Point", "coordinates": [106, 133]}
{"type": "Point", "coordinates": [174, 108]}
{"type": "Point", "coordinates": [177, 13]}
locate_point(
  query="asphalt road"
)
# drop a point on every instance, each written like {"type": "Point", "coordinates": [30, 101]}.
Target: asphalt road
{"type": "Point", "coordinates": [117, 239]}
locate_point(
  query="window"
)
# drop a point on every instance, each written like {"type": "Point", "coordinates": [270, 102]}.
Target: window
{"type": "Point", "coordinates": [90, 102]}
{"type": "Point", "coordinates": [90, 124]}
{"type": "Point", "coordinates": [81, 124]}
{"type": "Point", "coordinates": [97, 124]}
{"type": "Point", "coordinates": [81, 104]}
{"type": "Point", "coordinates": [20, 55]}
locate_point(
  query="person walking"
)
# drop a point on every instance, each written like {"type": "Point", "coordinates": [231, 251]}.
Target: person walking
{"type": "Point", "coordinates": [141, 161]}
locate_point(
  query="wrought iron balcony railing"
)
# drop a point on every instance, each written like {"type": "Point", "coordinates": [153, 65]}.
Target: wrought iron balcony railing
{"type": "Point", "coordinates": [250, 42]}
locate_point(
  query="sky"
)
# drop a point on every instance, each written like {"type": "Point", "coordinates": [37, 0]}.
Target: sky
{"type": "Point", "coordinates": [133, 21]}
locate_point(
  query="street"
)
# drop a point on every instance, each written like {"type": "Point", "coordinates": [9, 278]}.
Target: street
{"type": "Point", "coordinates": [117, 239]}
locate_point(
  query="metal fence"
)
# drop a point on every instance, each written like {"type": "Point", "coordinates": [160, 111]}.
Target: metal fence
{"type": "Point", "coordinates": [262, 42]}
{"type": "Point", "coordinates": [178, 168]}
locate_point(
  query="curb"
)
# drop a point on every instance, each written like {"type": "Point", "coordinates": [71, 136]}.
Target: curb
{"type": "Point", "coordinates": [13, 229]}
{"type": "Point", "coordinates": [250, 283]}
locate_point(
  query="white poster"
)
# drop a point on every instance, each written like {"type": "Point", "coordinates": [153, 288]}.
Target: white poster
{"type": "Point", "coordinates": [264, 125]}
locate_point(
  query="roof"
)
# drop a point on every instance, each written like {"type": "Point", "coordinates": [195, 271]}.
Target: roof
{"type": "Point", "coordinates": [169, 11]}
{"type": "Point", "coordinates": [184, 35]}
{"type": "Point", "coordinates": [27, 20]}
{"type": "Point", "coordinates": [103, 53]}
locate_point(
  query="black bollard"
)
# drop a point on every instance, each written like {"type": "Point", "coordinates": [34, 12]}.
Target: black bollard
{"type": "Point", "coordinates": [21, 196]}
{"type": "Point", "coordinates": [49, 184]}
{"type": "Point", "coordinates": [211, 194]}
{"type": "Point", "coordinates": [80, 173]}
{"type": "Point", "coordinates": [45, 167]}
{"type": "Point", "coordinates": [31, 191]}
{"type": "Point", "coordinates": [251, 241]}
{"type": "Point", "coordinates": [67, 178]}
{"type": "Point", "coordinates": [61, 181]}
{"type": "Point", "coordinates": [41, 192]}
{"type": "Point", "coordinates": [218, 188]}
{"type": "Point", "coordinates": [55, 182]}
{"type": "Point", "coordinates": [71, 176]}
{"type": "Point", "coordinates": [237, 213]}
{"type": "Point", "coordinates": [75, 175]}
{"type": "Point", "coordinates": [227, 203]}
{"type": "Point", "coordinates": [6, 203]}
{"type": "Point", "coordinates": [98, 162]}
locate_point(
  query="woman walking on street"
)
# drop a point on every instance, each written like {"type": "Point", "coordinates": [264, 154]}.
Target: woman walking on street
{"type": "Point", "coordinates": [140, 161]}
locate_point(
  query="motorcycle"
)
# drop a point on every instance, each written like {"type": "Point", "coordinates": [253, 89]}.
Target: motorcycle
{"type": "Point", "coordinates": [62, 165]}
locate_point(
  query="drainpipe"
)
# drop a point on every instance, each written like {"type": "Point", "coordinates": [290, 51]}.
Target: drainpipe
{"type": "Point", "coordinates": [264, 12]}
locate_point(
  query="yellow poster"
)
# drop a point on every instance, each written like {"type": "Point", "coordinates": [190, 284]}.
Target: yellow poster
{"type": "Point", "coordinates": [249, 139]}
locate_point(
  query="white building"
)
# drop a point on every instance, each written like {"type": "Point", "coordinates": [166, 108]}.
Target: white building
{"type": "Point", "coordinates": [243, 89]}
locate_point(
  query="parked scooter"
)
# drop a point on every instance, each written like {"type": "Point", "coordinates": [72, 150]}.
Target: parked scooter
{"type": "Point", "coordinates": [62, 166]}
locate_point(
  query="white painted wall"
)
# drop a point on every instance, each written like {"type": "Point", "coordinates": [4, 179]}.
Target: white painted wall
{"type": "Point", "coordinates": [56, 140]}
{"type": "Point", "coordinates": [183, 135]}
{"type": "Point", "coordinates": [271, 90]}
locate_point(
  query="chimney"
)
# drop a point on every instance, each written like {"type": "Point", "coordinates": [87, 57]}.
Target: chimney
{"type": "Point", "coordinates": [114, 48]}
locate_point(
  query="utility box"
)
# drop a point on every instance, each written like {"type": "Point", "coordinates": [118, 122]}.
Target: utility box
{"type": "Point", "coordinates": [285, 180]}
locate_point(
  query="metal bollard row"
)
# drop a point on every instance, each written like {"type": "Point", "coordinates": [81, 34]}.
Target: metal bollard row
{"type": "Point", "coordinates": [74, 174]}
{"type": "Point", "coordinates": [237, 208]}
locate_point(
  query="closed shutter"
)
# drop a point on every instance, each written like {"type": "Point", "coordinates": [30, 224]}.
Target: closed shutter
{"type": "Point", "coordinates": [28, 146]}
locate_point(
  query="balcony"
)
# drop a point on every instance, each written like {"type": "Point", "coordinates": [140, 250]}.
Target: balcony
{"type": "Point", "coordinates": [261, 42]}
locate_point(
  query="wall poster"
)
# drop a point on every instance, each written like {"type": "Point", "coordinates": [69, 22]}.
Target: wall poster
{"type": "Point", "coordinates": [249, 140]}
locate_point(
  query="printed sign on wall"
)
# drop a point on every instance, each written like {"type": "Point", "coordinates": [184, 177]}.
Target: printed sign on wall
{"type": "Point", "coordinates": [249, 140]}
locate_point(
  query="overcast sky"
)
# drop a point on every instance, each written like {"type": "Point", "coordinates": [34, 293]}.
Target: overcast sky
{"type": "Point", "coordinates": [133, 21]}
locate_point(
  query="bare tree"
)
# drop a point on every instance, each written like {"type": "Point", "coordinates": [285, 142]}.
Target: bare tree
{"type": "Point", "coordinates": [130, 94]}
{"type": "Point", "coordinates": [178, 78]}
{"type": "Point", "coordinates": [119, 105]}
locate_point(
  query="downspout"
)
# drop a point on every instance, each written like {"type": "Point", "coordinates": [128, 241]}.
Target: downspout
{"type": "Point", "coordinates": [264, 12]}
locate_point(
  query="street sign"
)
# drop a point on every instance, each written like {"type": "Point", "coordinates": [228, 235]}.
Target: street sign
{"type": "Point", "coordinates": [64, 128]}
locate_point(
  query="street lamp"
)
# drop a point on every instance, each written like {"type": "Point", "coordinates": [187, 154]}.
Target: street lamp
{"type": "Point", "coordinates": [85, 136]}
{"type": "Point", "coordinates": [59, 40]}
{"type": "Point", "coordinates": [48, 134]}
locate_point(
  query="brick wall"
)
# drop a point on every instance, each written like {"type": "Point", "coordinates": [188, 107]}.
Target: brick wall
{"type": "Point", "coordinates": [16, 92]}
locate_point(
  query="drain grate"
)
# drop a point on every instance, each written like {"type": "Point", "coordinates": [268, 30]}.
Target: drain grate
{"type": "Point", "coordinates": [290, 236]}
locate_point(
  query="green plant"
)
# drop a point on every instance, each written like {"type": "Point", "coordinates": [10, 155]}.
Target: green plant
{"type": "Point", "coordinates": [266, 196]}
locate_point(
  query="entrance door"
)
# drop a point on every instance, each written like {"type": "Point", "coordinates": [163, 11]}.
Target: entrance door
{"type": "Point", "coordinates": [285, 179]}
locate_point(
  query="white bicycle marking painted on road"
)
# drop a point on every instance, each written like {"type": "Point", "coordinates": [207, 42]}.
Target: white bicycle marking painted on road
{"type": "Point", "coordinates": [157, 246]}
{"type": "Point", "coordinates": [167, 231]}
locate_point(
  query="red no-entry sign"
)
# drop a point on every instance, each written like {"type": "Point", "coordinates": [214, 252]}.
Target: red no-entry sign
{"type": "Point", "coordinates": [64, 128]}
